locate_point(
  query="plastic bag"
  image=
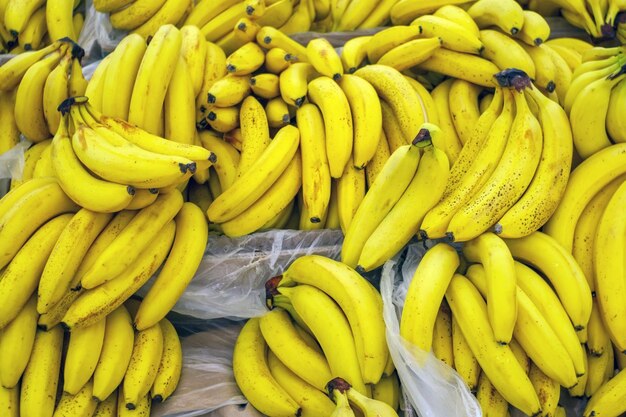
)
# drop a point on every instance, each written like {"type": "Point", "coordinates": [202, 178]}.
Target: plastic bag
{"type": "Point", "coordinates": [230, 281]}
{"type": "Point", "coordinates": [12, 161]}
{"type": "Point", "coordinates": [430, 387]}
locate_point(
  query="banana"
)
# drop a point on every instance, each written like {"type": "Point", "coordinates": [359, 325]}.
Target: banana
{"type": "Point", "coordinates": [246, 59]}
{"type": "Point", "coordinates": [465, 363]}
{"type": "Point", "coordinates": [424, 295]}
{"type": "Point", "coordinates": [615, 124]}
{"type": "Point", "coordinates": [388, 39]}
{"type": "Point", "coordinates": [368, 406]}
{"type": "Point", "coordinates": [180, 267]}
{"type": "Point", "coordinates": [316, 179]}
{"type": "Point", "coordinates": [354, 53]}
{"type": "Point", "coordinates": [535, 30]}
{"type": "Point", "coordinates": [375, 165]}
{"type": "Point", "coordinates": [573, 58]}
{"type": "Point", "coordinates": [60, 19]}
{"type": "Point", "coordinates": [388, 390]}
{"type": "Point", "coordinates": [120, 255]}
{"type": "Point", "coordinates": [193, 50]}
{"type": "Point", "coordinates": [589, 124]}
{"type": "Point", "coordinates": [342, 284]}
{"type": "Point", "coordinates": [587, 179]}
{"type": "Point", "coordinates": [254, 131]}
{"type": "Point", "coordinates": [350, 190]}
{"type": "Point", "coordinates": [294, 82]}
{"type": "Point", "coordinates": [13, 71]}
{"type": "Point", "coordinates": [10, 134]}
{"type": "Point", "coordinates": [467, 67]}
{"type": "Point", "coordinates": [278, 113]}
{"type": "Point", "coordinates": [253, 375]}
{"type": "Point", "coordinates": [503, 51]}
{"type": "Point", "coordinates": [206, 10]}
{"type": "Point", "coordinates": [135, 14]}
{"type": "Point", "coordinates": [214, 69]}
{"type": "Point", "coordinates": [546, 254]}
{"type": "Point", "coordinates": [31, 37]}
{"type": "Point", "coordinates": [448, 141]}
{"type": "Point", "coordinates": [77, 405]}
{"type": "Point", "coordinates": [597, 336]}
{"type": "Point", "coordinates": [384, 193]}
{"type": "Point", "coordinates": [10, 401]}
{"type": "Point", "coordinates": [600, 369]}
{"type": "Point", "coordinates": [338, 123]}
{"type": "Point", "coordinates": [95, 87]}
{"type": "Point", "coordinates": [342, 407]}
{"type": "Point", "coordinates": [266, 85]}
{"type": "Point", "coordinates": [142, 408]}
{"type": "Point", "coordinates": [404, 11]}
{"type": "Point", "coordinates": [521, 155]}
{"type": "Point", "coordinates": [410, 53]}
{"type": "Point", "coordinates": [497, 361]}
{"type": "Point", "coordinates": [277, 60]}
{"type": "Point", "coordinates": [464, 109]}
{"type": "Point", "coordinates": [459, 16]}
{"type": "Point", "coordinates": [50, 319]}
{"type": "Point", "coordinates": [222, 119]}
{"type": "Point", "coordinates": [383, 244]}
{"type": "Point", "coordinates": [588, 72]}
{"type": "Point", "coordinates": [16, 344]}
{"type": "Point", "coordinates": [614, 7]}
{"type": "Point", "coordinates": [29, 104]}
{"type": "Point", "coordinates": [579, 389]}
{"type": "Point", "coordinates": [396, 91]}
{"type": "Point", "coordinates": [271, 204]}
{"type": "Point", "coordinates": [17, 14]}
{"type": "Point", "coordinates": [378, 16]}
{"type": "Point", "coordinates": [268, 37]}
{"type": "Point", "coordinates": [55, 91]}
{"type": "Point", "coordinates": [259, 178]}
{"type": "Point", "coordinates": [82, 356]}
{"type": "Point", "coordinates": [290, 348]}
{"type": "Point", "coordinates": [143, 366]}
{"type": "Point", "coordinates": [43, 168]}
{"type": "Point", "coordinates": [300, 20]}
{"type": "Point", "coordinates": [574, 44]}
{"type": "Point", "coordinates": [107, 407]}
{"type": "Point", "coordinates": [168, 373]}
{"type": "Point", "coordinates": [500, 278]}
{"type": "Point", "coordinates": [31, 158]}
{"type": "Point", "coordinates": [26, 216]}
{"type": "Point", "coordinates": [366, 116]}
{"type": "Point", "coordinates": [442, 336]}
{"type": "Point", "coordinates": [326, 61]}
{"type": "Point", "coordinates": [41, 377]}
{"type": "Point", "coordinates": [509, 16]}
{"type": "Point", "coordinates": [226, 164]}
{"type": "Point", "coordinates": [121, 75]}
{"type": "Point", "coordinates": [490, 400]}
{"type": "Point", "coordinates": [453, 36]}
{"type": "Point", "coordinates": [179, 106]}
{"type": "Point", "coordinates": [608, 398]}
{"type": "Point", "coordinates": [542, 196]}
{"type": "Point", "coordinates": [143, 198]}
{"type": "Point", "coordinates": [170, 14]}
{"type": "Point", "coordinates": [531, 331]}
{"type": "Point", "coordinates": [355, 14]}
{"type": "Point", "coordinates": [153, 76]}
{"type": "Point", "coordinates": [548, 390]}
{"type": "Point", "coordinates": [229, 91]}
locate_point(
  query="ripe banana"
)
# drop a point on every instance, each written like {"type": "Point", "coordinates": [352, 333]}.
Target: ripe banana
{"type": "Point", "coordinates": [245, 60]}
{"type": "Point", "coordinates": [467, 67]}
{"type": "Point", "coordinates": [535, 30]}
{"type": "Point", "coordinates": [608, 399]}
{"type": "Point", "coordinates": [294, 82]}
{"type": "Point", "coordinates": [16, 344]}
{"type": "Point", "coordinates": [59, 19]}
{"type": "Point", "coordinates": [453, 36]}
{"type": "Point", "coordinates": [448, 141]}
{"type": "Point", "coordinates": [509, 16]}
{"type": "Point", "coordinates": [170, 14]}
{"type": "Point", "coordinates": [80, 404]}
{"type": "Point", "coordinates": [322, 55]}
{"type": "Point", "coordinates": [143, 366]}
{"type": "Point", "coordinates": [10, 401]}
{"type": "Point", "coordinates": [82, 356]}
{"type": "Point", "coordinates": [404, 11]}
{"type": "Point", "coordinates": [410, 53]}
{"type": "Point", "coordinates": [265, 85]}
{"type": "Point", "coordinates": [13, 70]}
{"type": "Point", "coordinates": [268, 37]}
{"type": "Point", "coordinates": [350, 190]}
{"type": "Point", "coordinates": [170, 367]}
{"type": "Point", "coordinates": [463, 106]}
{"type": "Point", "coordinates": [354, 53]}
{"type": "Point", "coordinates": [465, 362]}
{"type": "Point", "coordinates": [503, 51]}
{"type": "Point", "coordinates": [107, 407]}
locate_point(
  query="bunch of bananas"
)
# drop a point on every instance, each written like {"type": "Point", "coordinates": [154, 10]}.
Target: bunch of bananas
{"type": "Point", "coordinates": [596, 100]}
{"type": "Point", "coordinates": [32, 24]}
{"type": "Point", "coordinates": [512, 337]}
{"type": "Point", "coordinates": [325, 331]}
{"type": "Point", "coordinates": [108, 368]}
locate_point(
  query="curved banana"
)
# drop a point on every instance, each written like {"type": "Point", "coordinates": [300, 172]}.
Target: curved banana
{"type": "Point", "coordinates": [135, 14]}
{"type": "Point", "coordinates": [600, 369]}
{"type": "Point", "coordinates": [460, 16]}
{"type": "Point", "coordinates": [265, 85]}
{"type": "Point", "coordinates": [255, 133]}
{"type": "Point", "coordinates": [95, 87]}
{"type": "Point", "coordinates": [464, 108]}
{"type": "Point", "coordinates": [453, 36]}
{"type": "Point", "coordinates": [55, 91]}
{"type": "Point", "coordinates": [170, 14]}
{"type": "Point", "coordinates": [548, 390]}
{"type": "Point", "coordinates": [82, 356]}
{"type": "Point", "coordinates": [16, 344]}
{"type": "Point", "coordinates": [10, 401]}
{"type": "Point", "coordinates": [277, 60]}
{"type": "Point", "coordinates": [322, 55]}
{"type": "Point", "coordinates": [608, 399]}
{"type": "Point", "coordinates": [80, 404]}
{"type": "Point", "coordinates": [377, 162]}
{"type": "Point", "coordinates": [448, 141]}
{"type": "Point", "coordinates": [354, 53]}
{"type": "Point", "coordinates": [17, 14]}
{"type": "Point", "coordinates": [214, 69]}
{"type": "Point", "coordinates": [465, 362]}
{"type": "Point", "coordinates": [245, 60]}
{"type": "Point", "coordinates": [467, 67]}
{"type": "Point", "coordinates": [535, 30]}
{"type": "Point", "coordinates": [180, 267]}
{"type": "Point", "coordinates": [229, 91]}
{"type": "Point", "coordinates": [410, 54]}
{"type": "Point", "coordinates": [168, 373]}
{"type": "Point", "coordinates": [350, 190]}
{"type": "Point", "coordinates": [59, 19]}
{"type": "Point", "coordinates": [614, 123]}
{"type": "Point", "coordinates": [269, 37]}
{"type": "Point", "coordinates": [503, 51]}
{"type": "Point", "coordinates": [294, 82]}
{"type": "Point", "coordinates": [14, 69]}
{"type": "Point", "coordinates": [206, 10]}
{"type": "Point", "coordinates": [227, 160]}
{"type": "Point", "coordinates": [10, 134]}
{"type": "Point", "coordinates": [509, 16]}
{"type": "Point", "coordinates": [404, 11]}
{"type": "Point", "coordinates": [107, 407]}
{"type": "Point", "coordinates": [597, 335]}
{"type": "Point", "coordinates": [31, 158]}
{"type": "Point", "coordinates": [490, 400]}
{"type": "Point", "coordinates": [388, 39]}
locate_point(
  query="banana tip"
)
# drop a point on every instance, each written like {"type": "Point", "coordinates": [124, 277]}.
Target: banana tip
{"type": "Point", "coordinates": [315, 220]}
{"type": "Point", "coordinates": [130, 406]}
{"type": "Point", "coordinates": [157, 398]}
{"type": "Point", "coordinates": [338, 384]}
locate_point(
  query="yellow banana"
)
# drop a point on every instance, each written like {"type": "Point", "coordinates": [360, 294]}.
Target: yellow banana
{"type": "Point", "coordinates": [410, 54]}
{"type": "Point", "coordinates": [442, 336]}
{"type": "Point", "coordinates": [266, 85]}
{"type": "Point", "coordinates": [465, 362]}
{"type": "Point", "coordinates": [354, 53]}
{"type": "Point", "coordinates": [82, 356]}
{"type": "Point", "coordinates": [453, 36]}
{"type": "Point", "coordinates": [503, 51]}
{"type": "Point", "coordinates": [214, 69]}
{"type": "Point", "coordinates": [16, 344]}
{"type": "Point", "coordinates": [10, 401]}
{"type": "Point", "coordinates": [13, 70]}
{"type": "Point", "coordinates": [170, 367]}
{"type": "Point", "coordinates": [404, 11]}
{"type": "Point", "coordinates": [227, 161]}
{"type": "Point", "coordinates": [535, 30]}
{"type": "Point", "coordinates": [322, 55]}
{"type": "Point", "coordinates": [135, 14]}
{"type": "Point", "coordinates": [490, 400]}
{"type": "Point", "coordinates": [460, 16]}
{"type": "Point", "coordinates": [31, 37]}
{"type": "Point", "coordinates": [278, 113]}
{"type": "Point", "coordinates": [179, 106]}
{"type": "Point", "coordinates": [464, 109]}
{"type": "Point", "coordinates": [548, 390]}
{"type": "Point", "coordinates": [80, 404]}
{"type": "Point", "coordinates": [17, 14]}
{"type": "Point", "coordinates": [448, 141]}
{"type": "Point", "coordinates": [245, 60]}
{"type": "Point", "coordinates": [277, 60]}
{"type": "Point", "coordinates": [350, 192]}
{"type": "Point", "coordinates": [95, 87]}
{"type": "Point", "coordinates": [375, 165]}
{"type": "Point", "coordinates": [10, 134]}
{"type": "Point", "coordinates": [509, 17]}
{"type": "Point", "coordinates": [294, 82]}
{"type": "Point", "coordinates": [269, 37]}
{"type": "Point", "coordinates": [170, 14]}
{"type": "Point", "coordinates": [467, 67]}
{"type": "Point", "coordinates": [59, 19]}
{"type": "Point", "coordinates": [229, 91]}
{"type": "Point", "coordinates": [607, 399]}
{"type": "Point", "coordinates": [55, 91]}
{"type": "Point", "coordinates": [388, 39]}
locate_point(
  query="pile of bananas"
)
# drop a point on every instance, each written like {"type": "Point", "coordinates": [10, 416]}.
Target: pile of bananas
{"type": "Point", "coordinates": [321, 349]}
{"type": "Point", "coordinates": [32, 24]}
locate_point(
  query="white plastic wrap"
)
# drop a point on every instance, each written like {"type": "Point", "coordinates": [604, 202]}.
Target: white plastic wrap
{"type": "Point", "coordinates": [230, 281]}
{"type": "Point", "coordinates": [430, 387]}
{"type": "Point", "coordinates": [12, 161]}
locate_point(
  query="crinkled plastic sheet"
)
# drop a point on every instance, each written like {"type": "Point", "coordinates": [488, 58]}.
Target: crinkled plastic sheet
{"type": "Point", "coordinates": [12, 161]}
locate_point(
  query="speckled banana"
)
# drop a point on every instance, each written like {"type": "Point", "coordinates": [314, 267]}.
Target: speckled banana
{"type": "Point", "coordinates": [16, 344]}
{"type": "Point", "coordinates": [82, 356]}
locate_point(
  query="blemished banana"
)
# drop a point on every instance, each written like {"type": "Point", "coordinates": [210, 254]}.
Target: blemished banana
{"type": "Point", "coordinates": [404, 11]}
{"type": "Point", "coordinates": [373, 168]}
{"type": "Point", "coordinates": [338, 123]}
{"type": "Point", "coordinates": [66, 256]}
{"type": "Point", "coordinates": [107, 407]}
{"type": "Point", "coordinates": [170, 14]}
{"type": "Point", "coordinates": [17, 14]}
{"type": "Point", "coordinates": [350, 190]}
{"type": "Point", "coordinates": [316, 179]}
{"type": "Point", "coordinates": [27, 214]}
{"type": "Point", "coordinates": [397, 228]}
{"type": "Point", "coordinates": [269, 37]}
{"type": "Point", "coordinates": [382, 195]}
{"type": "Point", "coordinates": [465, 363]}
{"type": "Point", "coordinates": [294, 82]}
{"type": "Point", "coordinates": [540, 293]}
{"type": "Point", "coordinates": [425, 293]}
{"type": "Point", "coordinates": [154, 74]}
{"type": "Point", "coordinates": [532, 331]}
{"type": "Point", "coordinates": [503, 51]}
{"type": "Point", "coordinates": [80, 404]}
{"type": "Point", "coordinates": [366, 117]}
{"type": "Point", "coordinates": [463, 97]}
{"type": "Point", "coordinates": [410, 53]}
{"type": "Point", "coordinates": [16, 344]}
{"type": "Point", "coordinates": [13, 71]}
{"type": "Point", "coordinates": [205, 11]}
{"type": "Point", "coordinates": [254, 131]}
{"type": "Point", "coordinates": [214, 69]}
{"type": "Point", "coordinates": [180, 267]}
{"type": "Point", "coordinates": [95, 304]}
{"type": "Point", "coordinates": [262, 174]}
{"type": "Point", "coordinates": [31, 37]}
{"type": "Point", "coordinates": [265, 85]}
{"type": "Point", "coordinates": [311, 400]}
{"type": "Point", "coordinates": [453, 36]}
{"type": "Point", "coordinates": [143, 366]}
{"type": "Point", "coordinates": [170, 367]}
{"type": "Point", "coordinates": [21, 276]}
{"type": "Point", "coordinates": [342, 283]}
{"type": "Point", "coordinates": [29, 103]}
{"type": "Point", "coordinates": [10, 401]}
{"type": "Point", "coordinates": [608, 399]}
{"type": "Point", "coordinates": [354, 53]}
{"type": "Point", "coordinates": [388, 39]}
{"type": "Point", "coordinates": [229, 91]}
{"type": "Point", "coordinates": [546, 254]}
{"type": "Point", "coordinates": [593, 70]}
{"type": "Point", "coordinates": [490, 400]}
{"type": "Point", "coordinates": [396, 91]}
{"type": "Point", "coordinates": [41, 377]}
{"type": "Point", "coordinates": [55, 91]}
{"type": "Point", "coordinates": [291, 349]}
{"type": "Point", "coordinates": [509, 17]}
{"type": "Point", "coordinates": [222, 119]}
{"type": "Point", "coordinates": [115, 354]}
{"type": "Point", "coordinates": [245, 60]}
{"type": "Point", "coordinates": [142, 408]}
{"type": "Point", "coordinates": [143, 198]}
{"type": "Point", "coordinates": [585, 181]}
{"type": "Point", "coordinates": [193, 50]}
{"type": "Point", "coordinates": [59, 19]}
{"type": "Point", "coordinates": [121, 74]}
{"type": "Point", "coordinates": [467, 67]}
{"type": "Point", "coordinates": [82, 356]}
{"type": "Point", "coordinates": [448, 141]}
{"type": "Point", "coordinates": [548, 390]}
{"type": "Point", "coordinates": [253, 375]}
{"type": "Point", "coordinates": [543, 194]}
{"type": "Point", "coordinates": [497, 361]}
{"type": "Point", "coordinates": [489, 250]}
{"type": "Point", "coordinates": [322, 55]}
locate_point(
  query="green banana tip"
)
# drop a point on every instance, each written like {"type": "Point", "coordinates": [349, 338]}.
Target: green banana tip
{"type": "Point", "coordinates": [423, 138]}
{"type": "Point", "coordinates": [338, 384]}
{"type": "Point", "coordinates": [513, 78]}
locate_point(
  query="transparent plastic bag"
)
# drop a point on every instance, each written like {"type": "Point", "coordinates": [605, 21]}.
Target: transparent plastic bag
{"type": "Point", "coordinates": [430, 387]}
{"type": "Point", "coordinates": [230, 281]}
{"type": "Point", "coordinates": [12, 161]}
